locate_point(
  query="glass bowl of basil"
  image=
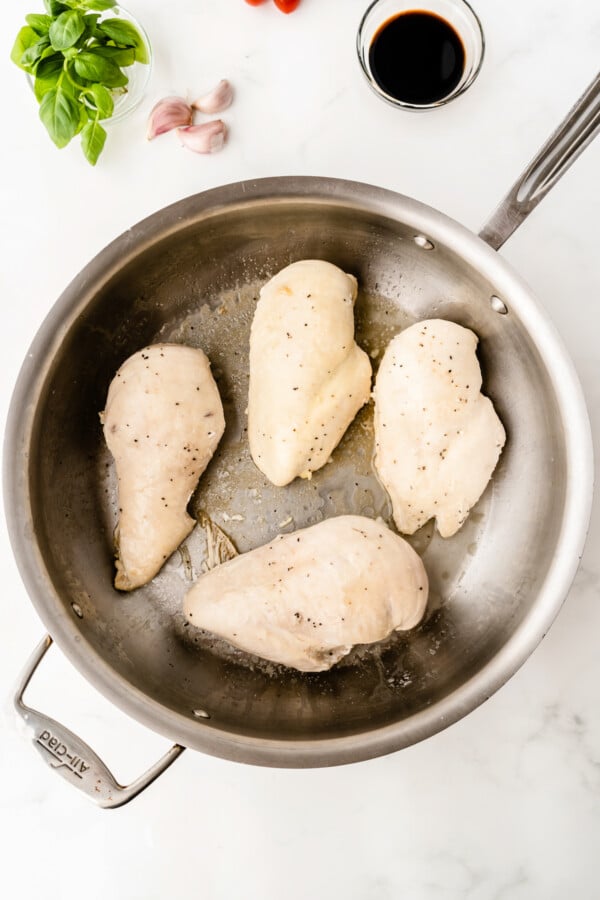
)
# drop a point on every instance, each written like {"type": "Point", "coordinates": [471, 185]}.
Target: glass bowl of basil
{"type": "Point", "coordinates": [88, 62]}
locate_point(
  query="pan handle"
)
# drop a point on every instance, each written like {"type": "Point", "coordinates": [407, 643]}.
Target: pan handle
{"type": "Point", "coordinates": [560, 150]}
{"type": "Point", "coordinates": [72, 758]}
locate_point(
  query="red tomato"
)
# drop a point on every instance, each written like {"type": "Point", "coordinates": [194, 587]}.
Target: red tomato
{"type": "Point", "coordinates": [287, 6]}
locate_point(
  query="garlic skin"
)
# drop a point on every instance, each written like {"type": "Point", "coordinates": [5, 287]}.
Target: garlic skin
{"type": "Point", "coordinates": [206, 138]}
{"type": "Point", "coordinates": [216, 100]}
{"type": "Point", "coordinates": [167, 114]}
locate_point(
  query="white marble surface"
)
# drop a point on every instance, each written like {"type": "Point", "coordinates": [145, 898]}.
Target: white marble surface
{"type": "Point", "coordinates": [505, 804]}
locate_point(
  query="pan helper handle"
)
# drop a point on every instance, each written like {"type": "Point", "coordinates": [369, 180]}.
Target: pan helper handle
{"type": "Point", "coordinates": [71, 757]}
{"type": "Point", "coordinates": [558, 153]}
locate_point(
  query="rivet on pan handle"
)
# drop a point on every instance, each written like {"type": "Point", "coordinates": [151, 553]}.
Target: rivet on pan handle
{"type": "Point", "coordinates": [558, 153]}
{"type": "Point", "coordinates": [71, 757]}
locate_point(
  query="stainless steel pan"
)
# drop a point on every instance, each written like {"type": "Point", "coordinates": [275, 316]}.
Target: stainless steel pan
{"type": "Point", "coordinates": [190, 273]}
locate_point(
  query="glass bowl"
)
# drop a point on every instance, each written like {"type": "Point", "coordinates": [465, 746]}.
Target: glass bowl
{"type": "Point", "coordinates": [138, 74]}
{"type": "Point", "coordinates": [457, 13]}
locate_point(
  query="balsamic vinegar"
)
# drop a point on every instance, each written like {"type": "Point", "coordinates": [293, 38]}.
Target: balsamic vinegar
{"type": "Point", "coordinates": [417, 57]}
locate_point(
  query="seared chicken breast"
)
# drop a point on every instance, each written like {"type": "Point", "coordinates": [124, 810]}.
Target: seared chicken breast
{"type": "Point", "coordinates": [162, 423]}
{"type": "Point", "coordinates": [308, 377]}
{"type": "Point", "coordinates": [437, 437]}
{"type": "Point", "coordinates": [308, 597]}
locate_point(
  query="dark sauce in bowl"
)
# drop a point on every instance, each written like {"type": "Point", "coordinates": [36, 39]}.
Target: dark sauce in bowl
{"type": "Point", "coordinates": [417, 57]}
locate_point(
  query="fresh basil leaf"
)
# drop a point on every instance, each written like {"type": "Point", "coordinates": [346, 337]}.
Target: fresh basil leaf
{"type": "Point", "coordinates": [102, 99]}
{"type": "Point", "coordinates": [93, 138]}
{"type": "Point", "coordinates": [90, 21]}
{"type": "Point", "coordinates": [77, 83]}
{"type": "Point", "coordinates": [54, 7]}
{"type": "Point", "coordinates": [120, 31]}
{"type": "Point", "coordinates": [60, 114]}
{"type": "Point", "coordinates": [84, 117]}
{"type": "Point", "coordinates": [50, 65]}
{"type": "Point", "coordinates": [71, 88]}
{"type": "Point", "coordinates": [25, 39]}
{"type": "Point", "coordinates": [39, 23]}
{"type": "Point", "coordinates": [125, 34]}
{"type": "Point", "coordinates": [66, 29]}
{"type": "Point", "coordinates": [33, 54]}
{"type": "Point", "coordinates": [141, 54]}
{"type": "Point", "coordinates": [98, 68]}
{"type": "Point", "coordinates": [72, 84]}
{"type": "Point", "coordinates": [49, 52]}
{"type": "Point", "coordinates": [100, 5]}
{"type": "Point", "coordinates": [122, 56]}
{"type": "Point", "coordinates": [46, 75]}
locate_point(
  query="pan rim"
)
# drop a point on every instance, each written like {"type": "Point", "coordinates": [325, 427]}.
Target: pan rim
{"type": "Point", "coordinates": [198, 734]}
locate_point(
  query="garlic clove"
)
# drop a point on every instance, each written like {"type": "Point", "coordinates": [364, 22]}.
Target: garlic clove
{"type": "Point", "coordinates": [216, 100]}
{"type": "Point", "coordinates": [172, 112]}
{"type": "Point", "coordinates": [206, 138]}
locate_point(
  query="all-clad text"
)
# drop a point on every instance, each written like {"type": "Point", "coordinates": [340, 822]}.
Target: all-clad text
{"type": "Point", "coordinates": [59, 750]}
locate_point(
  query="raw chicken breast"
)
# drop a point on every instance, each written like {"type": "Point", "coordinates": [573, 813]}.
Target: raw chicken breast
{"type": "Point", "coordinates": [162, 423]}
{"type": "Point", "coordinates": [307, 597]}
{"type": "Point", "coordinates": [437, 438]}
{"type": "Point", "coordinates": [308, 378]}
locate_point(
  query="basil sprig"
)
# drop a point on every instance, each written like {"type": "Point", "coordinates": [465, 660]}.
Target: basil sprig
{"type": "Point", "coordinates": [76, 59]}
